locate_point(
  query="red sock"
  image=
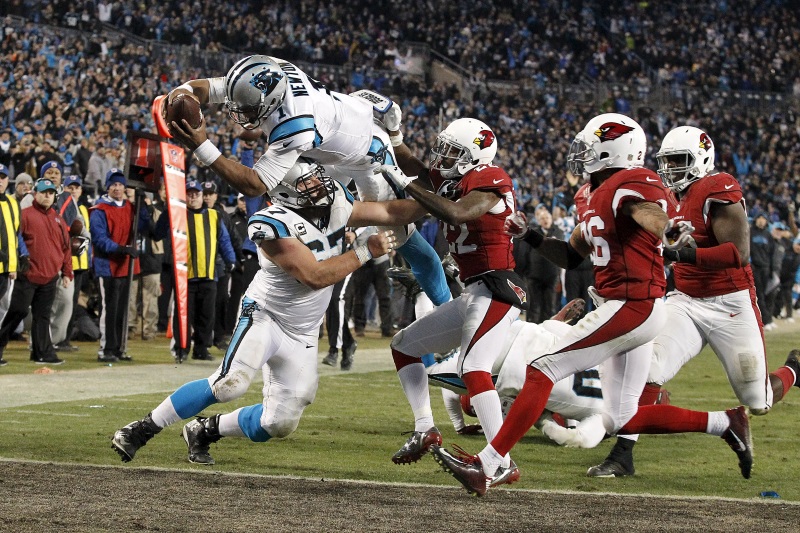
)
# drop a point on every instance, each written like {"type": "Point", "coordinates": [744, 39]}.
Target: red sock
{"type": "Point", "coordinates": [525, 411]}
{"type": "Point", "coordinates": [666, 419]}
{"type": "Point", "coordinates": [401, 359]}
{"type": "Point", "coordinates": [786, 376]}
{"type": "Point", "coordinates": [649, 394]}
{"type": "Point", "coordinates": [477, 382]}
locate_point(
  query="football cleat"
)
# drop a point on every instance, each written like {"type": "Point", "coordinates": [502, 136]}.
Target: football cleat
{"type": "Point", "coordinates": [506, 476]}
{"type": "Point", "coordinates": [610, 468]}
{"type": "Point", "coordinates": [126, 441]}
{"type": "Point", "coordinates": [465, 468]}
{"type": "Point", "coordinates": [417, 445]}
{"type": "Point", "coordinates": [740, 439]}
{"type": "Point", "coordinates": [199, 434]}
{"type": "Point", "coordinates": [571, 311]}
{"type": "Point", "coordinates": [793, 362]}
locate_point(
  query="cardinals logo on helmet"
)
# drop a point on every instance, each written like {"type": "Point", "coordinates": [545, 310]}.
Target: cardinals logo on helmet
{"type": "Point", "coordinates": [612, 130]}
{"type": "Point", "coordinates": [484, 139]}
{"type": "Point", "coordinates": [705, 141]}
{"type": "Point", "coordinates": [265, 81]}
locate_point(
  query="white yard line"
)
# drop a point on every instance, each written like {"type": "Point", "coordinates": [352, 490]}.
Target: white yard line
{"type": "Point", "coordinates": [124, 380]}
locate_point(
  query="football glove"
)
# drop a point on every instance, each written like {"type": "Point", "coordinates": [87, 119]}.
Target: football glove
{"type": "Point", "coordinates": [678, 235]}
{"type": "Point", "coordinates": [516, 224]}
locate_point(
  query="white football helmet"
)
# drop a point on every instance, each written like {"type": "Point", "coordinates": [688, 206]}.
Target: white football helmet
{"type": "Point", "coordinates": [609, 140]}
{"type": "Point", "coordinates": [298, 190]}
{"type": "Point", "coordinates": [254, 88]}
{"type": "Point", "coordinates": [466, 142]}
{"type": "Point", "coordinates": [686, 155]}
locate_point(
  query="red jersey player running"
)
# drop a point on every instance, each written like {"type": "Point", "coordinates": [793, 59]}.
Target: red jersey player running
{"type": "Point", "coordinates": [472, 202]}
{"type": "Point", "coordinates": [622, 224]}
{"type": "Point", "coordinates": [715, 298]}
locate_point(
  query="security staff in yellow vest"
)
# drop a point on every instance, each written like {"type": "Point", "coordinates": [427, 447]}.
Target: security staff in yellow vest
{"type": "Point", "coordinates": [80, 260]}
{"type": "Point", "coordinates": [11, 246]}
{"type": "Point", "coordinates": [207, 237]}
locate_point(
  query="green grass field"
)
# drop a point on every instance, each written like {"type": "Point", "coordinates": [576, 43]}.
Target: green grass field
{"type": "Point", "coordinates": [356, 422]}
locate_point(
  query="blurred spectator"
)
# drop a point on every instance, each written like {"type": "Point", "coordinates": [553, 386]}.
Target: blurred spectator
{"type": "Point", "coordinates": [372, 274]}
{"type": "Point", "coordinates": [80, 261]}
{"type": "Point", "coordinates": [541, 275]}
{"type": "Point", "coordinates": [114, 251]}
{"type": "Point", "coordinates": [337, 319]}
{"type": "Point", "coordinates": [239, 222]}
{"type": "Point", "coordinates": [762, 260]}
{"type": "Point", "coordinates": [23, 185]}
{"type": "Point", "coordinates": [146, 286]}
{"type": "Point", "coordinates": [11, 246]}
{"type": "Point", "coordinates": [223, 323]}
{"type": "Point", "coordinates": [49, 263]}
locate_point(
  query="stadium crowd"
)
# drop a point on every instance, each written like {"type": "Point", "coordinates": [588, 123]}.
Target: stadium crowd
{"type": "Point", "coordinates": [71, 95]}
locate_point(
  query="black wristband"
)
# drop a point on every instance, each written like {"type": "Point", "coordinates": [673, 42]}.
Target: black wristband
{"type": "Point", "coordinates": [534, 238]}
{"type": "Point", "coordinates": [684, 255]}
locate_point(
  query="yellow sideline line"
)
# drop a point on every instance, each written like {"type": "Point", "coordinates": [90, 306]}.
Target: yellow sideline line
{"type": "Point", "coordinates": [206, 472]}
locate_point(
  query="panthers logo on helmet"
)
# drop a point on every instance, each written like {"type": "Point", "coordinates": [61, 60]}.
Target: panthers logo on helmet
{"type": "Point", "coordinates": [484, 139]}
{"type": "Point", "coordinates": [612, 130]}
{"type": "Point", "coordinates": [705, 141]}
{"type": "Point", "coordinates": [265, 81]}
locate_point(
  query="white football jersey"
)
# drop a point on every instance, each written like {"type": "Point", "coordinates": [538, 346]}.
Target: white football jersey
{"type": "Point", "coordinates": [313, 121]}
{"type": "Point", "coordinates": [295, 306]}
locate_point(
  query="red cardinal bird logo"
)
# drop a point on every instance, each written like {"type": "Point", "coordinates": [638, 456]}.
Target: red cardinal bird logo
{"type": "Point", "coordinates": [484, 139]}
{"type": "Point", "coordinates": [611, 130]}
{"type": "Point", "coordinates": [705, 141]}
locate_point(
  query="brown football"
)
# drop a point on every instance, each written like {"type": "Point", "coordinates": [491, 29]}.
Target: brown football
{"type": "Point", "coordinates": [76, 228]}
{"type": "Point", "coordinates": [184, 107]}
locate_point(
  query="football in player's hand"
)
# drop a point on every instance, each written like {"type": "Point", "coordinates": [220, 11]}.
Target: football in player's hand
{"type": "Point", "coordinates": [184, 107]}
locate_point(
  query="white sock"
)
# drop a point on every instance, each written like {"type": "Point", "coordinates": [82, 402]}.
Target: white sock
{"type": "Point", "coordinates": [414, 380]}
{"type": "Point", "coordinates": [164, 415]}
{"type": "Point", "coordinates": [452, 404]}
{"type": "Point", "coordinates": [491, 460]}
{"type": "Point", "coordinates": [490, 413]}
{"type": "Point", "coordinates": [229, 425]}
{"type": "Point", "coordinates": [718, 423]}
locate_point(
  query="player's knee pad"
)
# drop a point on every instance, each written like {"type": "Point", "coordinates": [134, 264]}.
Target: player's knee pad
{"type": "Point", "coordinates": [285, 419]}
{"type": "Point", "coordinates": [231, 386]}
{"type": "Point", "coordinates": [751, 366]}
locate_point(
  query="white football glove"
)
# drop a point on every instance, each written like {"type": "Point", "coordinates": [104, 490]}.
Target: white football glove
{"type": "Point", "coordinates": [516, 224]}
{"type": "Point", "coordinates": [677, 236]}
{"type": "Point", "coordinates": [391, 119]}
{"type": "Point", "coordinates": [397, 176]}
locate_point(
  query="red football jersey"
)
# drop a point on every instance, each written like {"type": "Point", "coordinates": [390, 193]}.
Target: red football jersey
{"type": "Point", "coordinates": [480, 245]}
{"type": "Point", "coordinates": [627, 259]}
{"type": "Point", "coordinates": [695, 206]}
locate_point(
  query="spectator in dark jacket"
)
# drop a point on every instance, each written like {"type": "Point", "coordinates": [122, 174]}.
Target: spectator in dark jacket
{"type": "Point", "coordinates": [143, 301]}
{"type": "Point", "coordinates": [541, 275]}
{"type": "Point", "coordinates": [238, 284]}
{"type": "Point", "coordinates": [223, 323]}
{"type": "Point", "coordinates": [112, 240]}
{"type": "Point", "coordinates": [50, 261]}
{"type": "Point", "coordinates": [762, 255]}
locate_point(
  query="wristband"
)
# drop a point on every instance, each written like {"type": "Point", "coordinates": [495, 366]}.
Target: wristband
{"type": "Point", "coordinates": [363, 253]}
{"type": "Point", "coordinates": [533, 237]}
{"type": "Point", "coordinates": [207, 153]}
{"type": "Point", "coordinates": [396, 140]}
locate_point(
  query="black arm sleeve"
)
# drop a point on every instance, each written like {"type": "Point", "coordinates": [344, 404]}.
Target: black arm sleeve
{"type": "Point", "coordinates": [574, 259]}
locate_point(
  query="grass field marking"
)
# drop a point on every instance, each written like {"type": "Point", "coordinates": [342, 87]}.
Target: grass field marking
{"type": "Point", "coordinates": [46, 413]}
{"type": "Point", "coordinates": [205, 472]}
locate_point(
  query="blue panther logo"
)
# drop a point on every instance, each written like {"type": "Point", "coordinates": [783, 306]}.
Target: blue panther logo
{"type": "Point", "coordinates": [266, 81]}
